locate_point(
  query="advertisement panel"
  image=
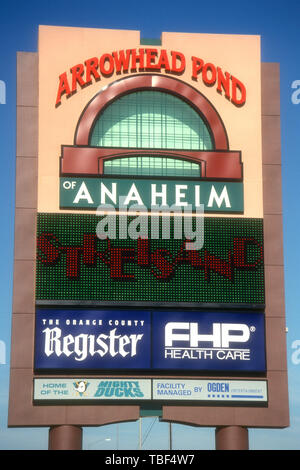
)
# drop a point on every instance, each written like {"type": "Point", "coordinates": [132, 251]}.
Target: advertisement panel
{"type": "Point", "coordinates": [85, 390]}
{"type": "Point", "coordinates": [70, 339]}
{"type": "Point", "coordinates": [87, 339]}
{"type": "Point", "coordinates": [89, 389]}
{"type": "Point", "coordinates": [242, 391]}
{"type": "Point", "coordinates": [209, 341]}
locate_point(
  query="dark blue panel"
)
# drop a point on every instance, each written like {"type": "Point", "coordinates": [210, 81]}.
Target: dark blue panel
{"type": "Point", "coordinates": [92, 339]}
{"type": "Point", "coordinates": [209, 341]}
{"type": "Point", "coordinates": [75, 339]}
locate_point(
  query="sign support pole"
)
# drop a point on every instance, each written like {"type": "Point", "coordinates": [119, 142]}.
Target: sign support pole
{"type": "Point", "coordinates": [140, 434]}
{"type": "Point", "coordinates": [232, 438]}
{"type": "Point", "coordinates": [65, 438]}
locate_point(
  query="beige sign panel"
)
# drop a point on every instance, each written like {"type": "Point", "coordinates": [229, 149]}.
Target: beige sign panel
{"type": "Point", "coordinates": [75, 64]}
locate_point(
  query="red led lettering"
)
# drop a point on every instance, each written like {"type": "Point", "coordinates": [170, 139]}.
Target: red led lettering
{"type": "Point", "coordinates": [118, 258]}
{"type": "Point", "coordinates": [161, 262]}
{"type": "Point", "coordinates": [89, 249]}
{"type": "Point", "coordinates": [48, 249]}
{"type": "Point", "coordinates": [240, 257]}
{"type": "Point", "coordinates": [217, 265]}
{"type": "Point", "coordinates": [72, 260]}
{"type": "Point", "coordinates": [143, 258]}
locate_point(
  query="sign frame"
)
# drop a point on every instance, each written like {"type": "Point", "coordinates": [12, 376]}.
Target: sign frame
{"type": "Point", "coordinates": [22, 412]}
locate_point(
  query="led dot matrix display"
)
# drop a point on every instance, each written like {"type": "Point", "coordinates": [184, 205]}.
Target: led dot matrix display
{"type": "Point", "coordinates": [74, 264]}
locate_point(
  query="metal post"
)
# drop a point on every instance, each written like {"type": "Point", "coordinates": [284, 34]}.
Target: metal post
{"type": "Point", "coordinates": [232, 438]}
{"type": "Point", "coordinates": [140, 434]}
{"type": "Point", "coordinates": [65, 438]}
{"type": "Point", "coordinates": [170, 435]}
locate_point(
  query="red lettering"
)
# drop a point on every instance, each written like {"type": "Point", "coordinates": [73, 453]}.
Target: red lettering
{"type": "Point", "coordinates": [63, 88]}
{"type": "Point", "coordinates": [106, 59]}
{"type": "Point", "coordinates": [223, 82]}
{"type": "Point", "coordinates": [163, 61]}
{"type": "Point", "coordinates": [238, 88]}
{"type": "Point", "coordinates": [132, 60]}
{"type": "Point", "coordinates": [91, 69]}
{"type": "Point", "coordinates": [197, 65]}
{"type": "Point", "coordinates": [209, 69]}
{"type": "Point", "coordinates": [137, 58]}
{"type": "Point", "coordinates": [151, 55]}
{"type": "Point", "coordinates": [122, 61]}
{"type": "Point", "coordinates": [177, 56]}
{"type": "Point", "coordinates": [77, 72]}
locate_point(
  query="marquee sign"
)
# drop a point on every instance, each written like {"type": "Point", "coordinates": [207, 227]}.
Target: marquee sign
{"type": "Point", "coordinates": [73, 264]}
{"type": "Point", "coordinates": [150, 262]}
{"type": "Point", "coordinates": [156, 206]}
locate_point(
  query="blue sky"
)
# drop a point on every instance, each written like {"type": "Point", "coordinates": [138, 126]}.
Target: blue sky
{"type": "Point", "coordinates": [278, 25]}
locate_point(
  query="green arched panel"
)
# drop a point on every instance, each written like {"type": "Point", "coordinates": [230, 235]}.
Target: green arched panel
{"type": "Point", "coordinates": [152, 120]}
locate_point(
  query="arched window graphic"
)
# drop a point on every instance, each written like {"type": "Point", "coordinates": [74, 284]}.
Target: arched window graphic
{"type": "Point", "coordinates": [151, 120]}
{"type": "Point", "coordinates": [166, 125]}
{"type": "Point", "coordinates": [147, 165]}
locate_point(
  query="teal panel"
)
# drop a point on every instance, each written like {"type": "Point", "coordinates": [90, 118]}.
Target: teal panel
{"type": "Point", "coordinates": [89, 193]}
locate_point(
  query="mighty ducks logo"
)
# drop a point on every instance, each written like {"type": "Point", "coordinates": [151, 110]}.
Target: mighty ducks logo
{"type": "Point", "coordinates": [81, 387]}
